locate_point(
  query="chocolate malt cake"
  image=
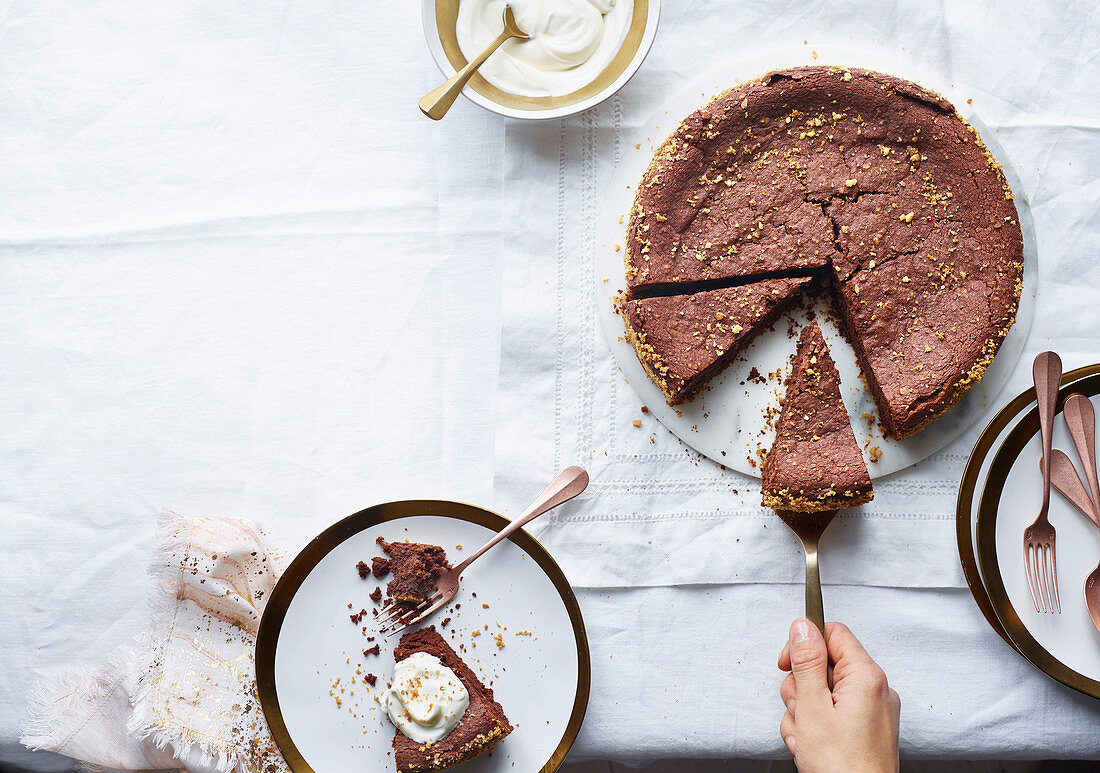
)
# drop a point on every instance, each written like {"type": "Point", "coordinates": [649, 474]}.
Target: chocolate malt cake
{"type": "Point", "coordinates": [481, 728]}
{"type": "Point", "coordinates": [874, 184]}
{"type": "Point", "coordinates": [684, 340]}
{"type": "Point", "coordinates": [815, 463]}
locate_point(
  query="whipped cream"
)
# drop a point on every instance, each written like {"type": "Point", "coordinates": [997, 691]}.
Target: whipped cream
{"type": "Point", "coordinates": [571, 42]}
{"type": "Point", "coordinates": [426, 700]}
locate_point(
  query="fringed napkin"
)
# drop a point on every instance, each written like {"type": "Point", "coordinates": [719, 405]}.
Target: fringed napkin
{"type": "Point", "coordinates": [183, 695]}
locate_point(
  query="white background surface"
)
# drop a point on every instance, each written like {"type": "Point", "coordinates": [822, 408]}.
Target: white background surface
{"type": "Point", "coordinates": [241, 274]}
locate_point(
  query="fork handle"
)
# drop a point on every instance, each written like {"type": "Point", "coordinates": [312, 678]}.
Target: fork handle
{"type": "Point", "coordinates": [1047, 372]}
{"type": "Point", "coordinates": [1080, 420]}
{"type": "Point", "coordinates": [570, 482]}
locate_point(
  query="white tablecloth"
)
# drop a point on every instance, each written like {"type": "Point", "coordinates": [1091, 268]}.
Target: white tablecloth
{"type": "Point", "coordinates": [241, 275]}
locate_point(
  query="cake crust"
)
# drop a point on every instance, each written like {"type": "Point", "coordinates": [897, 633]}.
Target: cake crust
{"type": "Point", "coordinates": [815, 462]}
{"type": "Point", "coordinates": [482, 727]}
{"type": "Point", "coordinates": [876, 184]}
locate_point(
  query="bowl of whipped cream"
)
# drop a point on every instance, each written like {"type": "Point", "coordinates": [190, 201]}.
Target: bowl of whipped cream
{"type": "Point", "coordinates": [579, 52]}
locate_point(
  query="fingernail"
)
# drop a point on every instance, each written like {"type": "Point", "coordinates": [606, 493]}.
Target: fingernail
{"type": "Point", "coordinates": [802, 630]}
{"type": "Point", "coordinates": [789, 740]}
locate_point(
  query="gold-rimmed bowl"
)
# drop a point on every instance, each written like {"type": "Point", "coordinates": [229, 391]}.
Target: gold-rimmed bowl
{"type": "Point", "coordinates": [439, 19]}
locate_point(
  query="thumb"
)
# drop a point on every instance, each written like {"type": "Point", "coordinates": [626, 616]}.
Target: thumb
{"type": "Point", "coordinates": [810, 664]}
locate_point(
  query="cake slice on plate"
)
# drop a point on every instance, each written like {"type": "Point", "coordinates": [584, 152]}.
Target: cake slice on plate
{"type": "Point", "coordinates": [683, 341]}
{"type": "Point", "coordinates": [415, 568]}
{"type": "Point", "coordinates": [482, 726]}
{"type": "Point", "coordinates": [815, 463]}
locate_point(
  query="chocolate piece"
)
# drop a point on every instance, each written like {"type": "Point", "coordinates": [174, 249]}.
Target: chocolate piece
{"type": "Point", "coordinates": [380, 567]}
{"type": "Point", "coordinates": [845, 173]}
{"type": "Point", "coordinates": [375, 650]}
{"type": "Point", "coordinates": [685, 340]}
{"type": "Point", "coordinates": [815, 463]}
{"type": "Point", "coordinates": [480, 729]}
{"type": "Point", "coordinates": [364, 570]}
{"type": "Point", "coordinates": [371, 679]}
{"type": "Point", "coordinates": [415, 568]}
{"type": "Point", "coordinates": [376, 595]}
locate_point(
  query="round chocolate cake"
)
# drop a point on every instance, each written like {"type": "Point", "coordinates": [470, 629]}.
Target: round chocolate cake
{"type": "Point", "coordinates": [868, 182]}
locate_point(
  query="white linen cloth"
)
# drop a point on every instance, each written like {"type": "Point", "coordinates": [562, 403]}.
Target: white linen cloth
{"type": "Point", "coordinates": [183, 694]}
{"type": "Point", "coordinates": [685, 578]}
{"type": "Point", "coordinates": [241, 274]}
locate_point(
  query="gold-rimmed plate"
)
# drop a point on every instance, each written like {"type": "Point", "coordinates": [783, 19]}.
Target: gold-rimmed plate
{"type": "Point", "coordinates": [530, 645]}
{"type": "Point", "coordinates": [999, 495]}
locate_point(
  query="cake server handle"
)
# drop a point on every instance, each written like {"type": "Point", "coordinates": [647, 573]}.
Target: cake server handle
{"type": "Point", "coordinates": [815, 608]}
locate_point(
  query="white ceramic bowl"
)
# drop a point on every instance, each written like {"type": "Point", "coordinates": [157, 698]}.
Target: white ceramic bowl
{"type": "Point", "coordinates": [438, 17]}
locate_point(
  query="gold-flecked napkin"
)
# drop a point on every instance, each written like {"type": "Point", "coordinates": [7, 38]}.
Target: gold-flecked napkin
{"type": "Point", "coordinates": [184, 694]}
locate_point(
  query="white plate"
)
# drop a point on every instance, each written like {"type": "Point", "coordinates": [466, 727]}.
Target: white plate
{"type": "Point", "coordinates": [727, 421]}
{"type": "Point", "coordinates": [307, 642]}
{"type": "Point", "coordinates": [1069, 637]}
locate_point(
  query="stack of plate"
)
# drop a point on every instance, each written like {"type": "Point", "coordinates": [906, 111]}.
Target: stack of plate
{"type": "Point", "coordinates": [999, 497]}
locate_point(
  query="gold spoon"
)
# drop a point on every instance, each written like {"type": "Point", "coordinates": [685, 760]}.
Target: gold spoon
{"type": "Point", "coordinates": [438, 101]}
{"type": "Point", "coordinates": [809, 527]}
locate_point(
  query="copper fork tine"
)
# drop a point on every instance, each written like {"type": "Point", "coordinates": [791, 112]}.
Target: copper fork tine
{"type": "Point", "coordinates": [396, 611]}
{"type": "Point", "coordinates": [1040, 535]}
{"type": "Point", "coordinates": [1028, 573]}
{"type": "Point", "coordinates": [403, 616]}
{"type": "Point", "coordinates": [570, 482]}
{"type": "Point", "coordinates": [422, 612]}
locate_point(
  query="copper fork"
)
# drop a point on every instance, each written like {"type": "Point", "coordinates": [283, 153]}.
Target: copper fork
{"type": "Point", "coordinates": [1081, 422]}
{"type": "Point", "coordinates": [1039, 536]}
{"type": "Point", "coordinates": [570, 482]}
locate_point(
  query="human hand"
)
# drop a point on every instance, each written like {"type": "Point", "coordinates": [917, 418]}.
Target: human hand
{"type": "Point", "coordinates": [854, 725]}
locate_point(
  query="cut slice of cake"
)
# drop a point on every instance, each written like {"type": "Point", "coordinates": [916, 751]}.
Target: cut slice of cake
{"type": "Point", "coordinates": [415, 568]}
{"type": "Point", "coordinates": [482, 726]}
{"type": "Point", "coordinates": [815, 463]}
{"type": "Point", "coordinates": [684, 340]}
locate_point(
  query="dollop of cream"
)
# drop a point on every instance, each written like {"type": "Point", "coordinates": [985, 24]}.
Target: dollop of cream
{"type": "Point", "coordinates": [571, 42]}
{"type": "Point", "coordinates": [426, 700]}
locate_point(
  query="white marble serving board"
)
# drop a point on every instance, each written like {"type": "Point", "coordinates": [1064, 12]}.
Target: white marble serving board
{"type": "Point", "coordinates": [727, 422]}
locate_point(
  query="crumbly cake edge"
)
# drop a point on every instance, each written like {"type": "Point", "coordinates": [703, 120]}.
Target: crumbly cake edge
{"type": "Point", "coordinates": [836, 500]}
{"type": "Point", "coordinates": [652, 361]}
{"type": "Point", "coordinates": [481, 743]}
